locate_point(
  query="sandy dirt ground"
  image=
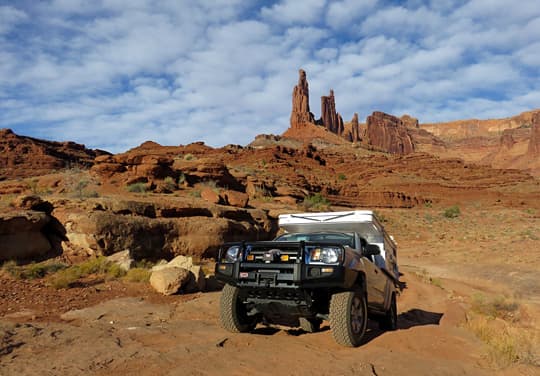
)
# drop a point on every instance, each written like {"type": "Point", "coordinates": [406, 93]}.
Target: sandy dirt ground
{"type": "Point", "coordinates": [111, 328]}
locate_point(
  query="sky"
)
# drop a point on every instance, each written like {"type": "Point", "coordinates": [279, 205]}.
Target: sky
{"type": "Point", "coordinates": [113, 74]}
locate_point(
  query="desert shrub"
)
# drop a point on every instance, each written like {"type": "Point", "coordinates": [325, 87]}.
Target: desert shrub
{"type": "Point", "coordinates": [497, 307]}
{"type": "Point", "coordinates": [65, 278]}
{"type": "Point", "coordinates": [138, 275]}
{"type": "Point", "coordinates": [316, 202]}
{"type": "Point", "coordinates": [428, 204]}
{"type": "Point", "coordinates": [33, 270]}
{"type": "Point", "coordinates": [505, 345]}
{"type": "Point", "coordinates": [137, 188]}
{"type": "Point", "coordinates": [342, 176]}
{"type": "Point", "coordinates": [169, 184]}
{"type": "Point", "coordinates": [189, 157]}
{"type": "Point", "coordinates": [212, 184]}
{"type": "Point", "coordinates": [452, 212]}
{"type": "Point", "coordinates": [100, 266]}
{"type": "Point", "coordinates": [195, 193]}
{"type": "Point", "coordinates": [181, 178]}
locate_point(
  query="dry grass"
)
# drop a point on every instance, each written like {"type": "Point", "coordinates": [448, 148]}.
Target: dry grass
{"type": "Point", "coordinates": [99, 266]}
{"type": "Point", "coordinates": [497, 322]}
{"type": "Point", "coordinates": [138, 275]}
{"type": "Point", "coordinates": [506, 344]}
{"type": "Point", "coordinates": [33, 270]}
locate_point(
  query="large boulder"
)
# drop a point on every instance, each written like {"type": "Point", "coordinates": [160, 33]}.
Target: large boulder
{"type": "Point", "coordinates": [169, 281]}
{"type": "Point", "coordinates": [22, 236]}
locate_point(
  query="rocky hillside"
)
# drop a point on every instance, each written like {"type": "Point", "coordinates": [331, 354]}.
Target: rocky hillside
{"type": "Point", "coordinates": [22, 156]}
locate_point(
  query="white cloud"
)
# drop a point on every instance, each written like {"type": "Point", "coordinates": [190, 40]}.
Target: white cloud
{"type": "Point", "coordinates": [294, 11]}
{"type": "Point", "coordinates": [115, 74]}
{"type": "Point", "coordinates": [341, 14]}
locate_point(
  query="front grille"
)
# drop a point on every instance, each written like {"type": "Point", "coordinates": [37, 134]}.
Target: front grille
{"type": "Point", "coordinates": [272, 254]}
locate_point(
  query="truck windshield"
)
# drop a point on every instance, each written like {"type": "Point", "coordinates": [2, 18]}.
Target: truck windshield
{"type": "Point", "coordinates": [333, 237]}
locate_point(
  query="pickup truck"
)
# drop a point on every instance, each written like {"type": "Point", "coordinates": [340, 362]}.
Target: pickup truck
{"type": "Point", "coordinates": [335, 266]}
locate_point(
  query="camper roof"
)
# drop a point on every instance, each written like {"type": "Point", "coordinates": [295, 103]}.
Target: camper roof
{"type": "Point", "coordinates": [363, 222]}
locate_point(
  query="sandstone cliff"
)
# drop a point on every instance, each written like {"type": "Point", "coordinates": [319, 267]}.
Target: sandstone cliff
{"type": "Point", "coordinates": [388, 133]}
{"type": "Point", "coordinates": [301, 115]}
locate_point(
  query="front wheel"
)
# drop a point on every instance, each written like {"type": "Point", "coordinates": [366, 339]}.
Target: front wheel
{"type": "Point", "coordinates": [348, 317]}
{"type": "Point", "coordinates": [310, 325]}
{"type": "Point", "coordinates": [233, 314]}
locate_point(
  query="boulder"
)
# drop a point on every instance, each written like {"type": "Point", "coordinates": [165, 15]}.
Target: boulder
{"type": "Point", "coordinates": [210, 195]}
{"type": "Point", "coordinates": [237, 199]}
{"type": "Point", "coordinates": [122, 259]}
{"type": "Point", "coordinates": [22, 236]}
{"type": "Point", "coordinates": [169, 281]}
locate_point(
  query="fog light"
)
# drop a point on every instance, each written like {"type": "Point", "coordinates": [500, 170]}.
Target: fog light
{"type": "Point", "coordinates": [327, 270]}
{"type": "Point", "coordinates": [284, 258]}
{"type": "Point", "coordinates": [314, 272]}
{"type": "Point", "coordinates": [222, 267]}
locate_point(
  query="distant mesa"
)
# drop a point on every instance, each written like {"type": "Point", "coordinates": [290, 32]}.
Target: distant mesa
{"type": "Point", "coordinates": [383, 132]}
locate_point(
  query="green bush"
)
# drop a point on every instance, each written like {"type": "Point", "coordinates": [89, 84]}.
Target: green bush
{"type": "Point", "coordinates": [342, 176]}
{"type": "Point", "coordinates": [138, 275]}
{"type": "Point", "coordinates": [169, 184]}
{"type": "Point", "coordinates": [316, 202]}
{"type": "Point", "coordinates": [99, 266]}
{"type": "Point", "coordinates": [137, 188]}
{"type": "Point", "coordinates": [33, 270]}
{"type": "Point", "coordinates": [452, 212]}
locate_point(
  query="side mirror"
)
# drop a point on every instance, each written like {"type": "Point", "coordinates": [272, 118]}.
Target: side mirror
{"type": "Point", "coordinates": [372, 250]}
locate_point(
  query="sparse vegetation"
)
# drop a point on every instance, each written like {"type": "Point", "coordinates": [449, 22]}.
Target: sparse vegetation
{"type": "Point", "coordinates": [181, 178]}
{"type": "Point", "coordinates": [100, 266]}
{"type": "Point", "coordinates": [452, 212]}
{"type": "Point", "coordinates": [497, 307]}
{"type": "Point", "coordinates": [342, 176]}
{"type": "Point", "coordinates": [316, 202]}
{"type": "Point", "coordinates": [138, 275]}
{"type": "Point", "coordinates": [195, 193]}
{"type": "Point", "coordinates": [189, 157]}
{"type": "Point", "coordinates": [137, 188]}
{"type": "Point", "coordinates": [169, 184]}
{"type": "Point", "coordinates": [33, 270]}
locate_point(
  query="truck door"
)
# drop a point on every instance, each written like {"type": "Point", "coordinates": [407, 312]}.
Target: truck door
{"type": "Point", "coordinates": [376, 282]}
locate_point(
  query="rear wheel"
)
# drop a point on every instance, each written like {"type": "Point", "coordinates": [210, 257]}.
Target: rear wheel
{"type": "Point", "coordinates": [310, 325]}
{"type": "Point", "coordinates": [233, 314]}
{"type": "Point", "coordinates": [389, 321]}
{"type": "Point", "coordinates": [348, 317]}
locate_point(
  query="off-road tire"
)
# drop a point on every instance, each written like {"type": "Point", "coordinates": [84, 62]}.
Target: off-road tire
{"type": "Point", "coordinates": [232, 313]}
{"type": "Point", "coordinates": [348, 317]}
{"type": "Point", "coordinates": [310, 325]}
{"type": "Point", "coordinates": [389, 320]}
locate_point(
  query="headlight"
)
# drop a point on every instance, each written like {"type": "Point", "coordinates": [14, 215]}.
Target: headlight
{"type": "Point", "coordinates": [326, 255]}
{"type": "Point", "coordinates": [232, 253]}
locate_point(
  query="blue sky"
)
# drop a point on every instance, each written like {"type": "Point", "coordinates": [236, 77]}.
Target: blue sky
{"type": "Point", "coordinates": [113, 74]}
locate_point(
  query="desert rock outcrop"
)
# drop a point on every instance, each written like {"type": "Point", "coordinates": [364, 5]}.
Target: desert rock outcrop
{"type": "Point", "coordinates": [329, 117]}
{"type": "Point", "coordinates": [301, 115]}
{"type": "Point", "coordinates": [22, 156]}
{"type": "Point", "coordinates": [534, 142]}
{"type": "Point", "coordinates": [388, 133]}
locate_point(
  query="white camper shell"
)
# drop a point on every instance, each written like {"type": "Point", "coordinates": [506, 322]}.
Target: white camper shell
{"type": "Point", "coordinates": [363, 223]}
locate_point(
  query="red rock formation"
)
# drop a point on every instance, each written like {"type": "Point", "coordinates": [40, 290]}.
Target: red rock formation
{"type": "Point", "coordinates": [409, 121]}
{"type": "Point", "coordinates": [300, 115]}
{"type": "Point", "coordinates": [22, 156]}
{"type": "Point", "coordinates": [355, 129]}
{"type": "Point", "coordinates": [507, 139]}
{"type": "Point", "coordinates": [534, 142]}
{"type": "Point", "coordinates": [388, 133]}
{"type": "Point", "coordinates": [329, 117]}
